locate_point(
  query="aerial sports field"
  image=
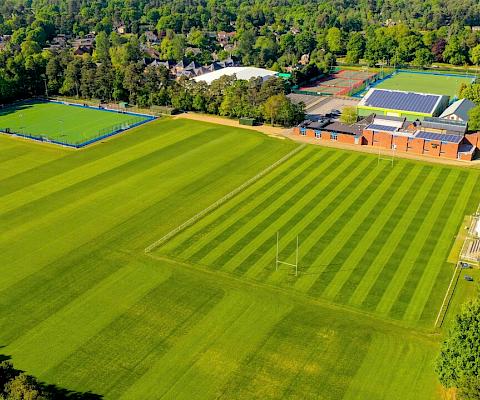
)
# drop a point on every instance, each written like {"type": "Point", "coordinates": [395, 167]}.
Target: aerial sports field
{"type": "Point", "coordinates": [205, 315]}
{"type": "Point", "coordinates": [68, 124]}
{"type": "Point", "coordinates": [436, 83]}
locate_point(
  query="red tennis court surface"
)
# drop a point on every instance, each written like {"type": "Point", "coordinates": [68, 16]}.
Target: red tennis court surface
{"type": "Point", "coordinates": [339, 83]}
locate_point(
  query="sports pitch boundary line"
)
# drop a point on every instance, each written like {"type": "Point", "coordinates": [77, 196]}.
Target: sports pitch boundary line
{"type": "Point", "coordinates": [222, 200]}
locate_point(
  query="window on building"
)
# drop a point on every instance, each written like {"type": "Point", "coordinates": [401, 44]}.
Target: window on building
{"type": "Point", "coordinates": [333, 136]}
{"type": "Point", "coordinates": [318, 134]}
{"type": "Point", "coordinates": [303, 132]}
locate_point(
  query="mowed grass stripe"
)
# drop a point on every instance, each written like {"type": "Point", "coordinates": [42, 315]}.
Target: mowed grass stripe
{"type": "Point", "coordinates": [148, 330]}
{"type": "Point", "coordinates": [298, 205]}
{"type": "Point", "coordinates": [391, 230]}
{"type": "Point", "coordinates": [410, 286]}
{"type": "Point", "coordinates": [215, 222]}
{"type": "Point", "coordinates": [442, 247]}
{"type": "Point", "coordinates": [313, 283]}
{"type": "Point", "coordinates": [356, 222]}
{"type": "Point", "coordinates": [442, 280]}
{"type": "Point", "coordinates": [384, 290]}
{"type": "Point", "coordinates": [400, 193]}
{"type": "Point", "coordinates": [56, 337]}
{"type": "Point", "coordinates": [65, 180]}
{"type": "Point", "coordinates": [114, 177]}
{"type": "Point", "coordinates": [227, 335]}
{"type": "Point", "coordinates": [92, 189]}
{"type": "Point", "coordinates": [15, 161]}
{"type": "Point", "coordinates": [305, 220]}
{"type": "Point", "coordinates": [300, 358]}
{"type": "Point", "coordinates": [264, 226]}
{"type": "Point", "coordinates": [105, 214]}
{"type": "Point", "coordinates": [333, 222]}
{"type": "Point", "coordinates": [121, 147]}
{"type": "Point", "coordinates": [226, 238]}
{"type": "Point", "coordinates": [124, 233]}
{"type": "Point", "coordinates": [410, 377]}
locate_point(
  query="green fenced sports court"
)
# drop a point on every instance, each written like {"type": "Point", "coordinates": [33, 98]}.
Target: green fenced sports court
{"type": "Point", "coordinates": [424, 82]}
{"type": "Point", "coordinates": [207, 316]}
{"type": "Point", "coordinates": [65, 124]}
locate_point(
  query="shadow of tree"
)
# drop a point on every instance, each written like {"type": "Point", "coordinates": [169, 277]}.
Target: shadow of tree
{"type": "Point", "coordinates": [54, 392]}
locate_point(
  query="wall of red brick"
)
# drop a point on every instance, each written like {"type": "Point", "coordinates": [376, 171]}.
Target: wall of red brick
{"type": "Point", "coordinates": [466, 156]}
{"type": "Point", "coordinates": [432, 148]}
{"type": "Point", "coordinates": [401, 143]}
{"type": "Point", "coordinates": [296, 130]}
{"type": "Point", "coordinates": [416, 146]}
{"type": "Point", "coordinates": [450, 150]}
{"type": "Point", "coordinates": [382, 139]}
{"type": "Point", "coordinates": [325, 135]}
{"type": "Point", "coordinates": [367, 137]}
{"type": "Point", "coordinates": [343, 138]}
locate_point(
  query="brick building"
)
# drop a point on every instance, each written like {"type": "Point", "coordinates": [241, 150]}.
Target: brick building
{"type": "Point", "coordinates": [434, 137]}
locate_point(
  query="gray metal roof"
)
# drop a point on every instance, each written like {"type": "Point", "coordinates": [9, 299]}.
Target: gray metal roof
{"type": "Point", "coordinates": [459, 108]}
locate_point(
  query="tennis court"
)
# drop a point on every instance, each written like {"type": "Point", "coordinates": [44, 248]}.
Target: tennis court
{"type": "Point", "coordinates": [339, 83]}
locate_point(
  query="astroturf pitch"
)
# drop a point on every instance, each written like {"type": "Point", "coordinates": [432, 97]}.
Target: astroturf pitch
{"type": "Point", "coordinates": [65, 123]}
{"type": "Point", "coordinates": [83, 307]}
{"type": "Point", "coordinates": [425, 83]}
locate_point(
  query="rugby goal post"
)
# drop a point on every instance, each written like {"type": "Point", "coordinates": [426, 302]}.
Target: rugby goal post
{"type": "Point", "coordinates": [279, 262]}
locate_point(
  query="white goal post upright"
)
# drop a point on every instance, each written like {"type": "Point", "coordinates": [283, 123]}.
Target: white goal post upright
{"type": "Point", "coordinates": [278, 261]}
{"type": "Point", "coordinates": [391, 159]}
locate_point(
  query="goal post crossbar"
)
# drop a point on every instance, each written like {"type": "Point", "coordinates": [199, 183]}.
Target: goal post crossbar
{"type": "Point", "coordinates": [278, 261]}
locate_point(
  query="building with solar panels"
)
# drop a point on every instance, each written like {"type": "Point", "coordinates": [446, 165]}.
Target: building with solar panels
{"type": "Point", "coordinates": [432, 136]}
{"type": "Point", "coordinates": [397, 103]}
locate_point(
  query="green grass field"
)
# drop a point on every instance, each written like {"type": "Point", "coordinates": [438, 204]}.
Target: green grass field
{"type": "Point", "coordinates": [371, 236]}
{"type": "Point", "coordinates": [83, 307]}
{"type": "Point", "coordinates": [61, 122]}
{"type": "Point", "coordinates": [425, 83]}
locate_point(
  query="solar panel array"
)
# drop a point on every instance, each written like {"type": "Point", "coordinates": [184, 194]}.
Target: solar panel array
{"type": "Point", "coordinates": [439, 136]}
{"type": "Point", "coordinates": [414, 102]}
{"type": "Point", "coordinates": [386, 128]}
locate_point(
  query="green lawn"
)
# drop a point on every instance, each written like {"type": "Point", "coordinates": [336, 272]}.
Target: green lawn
{"type": "Point", "coordinates": [425, 83]}
{"type": "Point", "coordinates": [82, 306]}
{"type": "Point", "coordinates": [68, 124]}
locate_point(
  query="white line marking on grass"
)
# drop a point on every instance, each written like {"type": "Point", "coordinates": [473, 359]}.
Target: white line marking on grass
{"type": "Point", "coordinates": [448, 295]}
{"type": "Point", "coordinates": [222, 200]}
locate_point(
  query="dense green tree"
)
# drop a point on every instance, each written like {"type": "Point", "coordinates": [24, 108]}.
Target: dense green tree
{"type": "Point", "coordinates": [335, 40]}
{"type": "Point", "coordinates": [474, 119]}
{"type": "Point", "coordinates": [423, 58]}
{"type": "Point", "coordinates": [355, 48]}
{"type": "Point", "coordinates": [349, 115]}
{"type": "Point", "coordinates": [458, 365]}
{"type": "Point", "coordinates": [102, 48]}
{"type": "Point", "coordinates": [470, 92]}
